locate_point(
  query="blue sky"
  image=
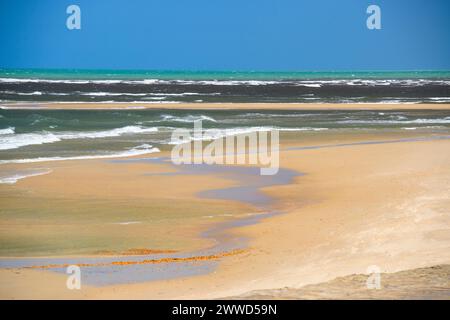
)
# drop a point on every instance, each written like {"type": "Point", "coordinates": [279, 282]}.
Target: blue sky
{"type": "Point", "coordinates": [278, 35]}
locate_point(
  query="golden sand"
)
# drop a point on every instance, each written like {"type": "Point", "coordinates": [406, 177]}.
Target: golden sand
{"type": "Point", "coordinates": [356, 206]}
{"type": "Point", "coordinates": [421, 283]}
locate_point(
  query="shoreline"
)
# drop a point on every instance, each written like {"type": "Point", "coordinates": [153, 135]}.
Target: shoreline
{"type": "Point", "coordinates": [222, 106]}
{"type": "Point", "coordinates": [219, 233]}
{"type": "Point", "coordinates": [281, 270]}
{"type": "Point", "coordinates": [348, 181]}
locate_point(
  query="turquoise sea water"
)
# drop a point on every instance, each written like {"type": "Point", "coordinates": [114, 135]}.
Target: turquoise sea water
{"type": "Point", "coordinates": [36, 135]}
{"type": "Point", "coordinates": [223, 87]}
{"type": "Point", "coordinates": [218, 75]}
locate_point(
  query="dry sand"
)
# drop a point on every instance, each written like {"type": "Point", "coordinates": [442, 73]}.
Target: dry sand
{"type": "Point", "coordinates": [421, 283]}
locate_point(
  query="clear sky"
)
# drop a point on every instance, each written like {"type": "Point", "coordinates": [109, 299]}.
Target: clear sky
{"type": "Point", "coordinates": [277, 35]}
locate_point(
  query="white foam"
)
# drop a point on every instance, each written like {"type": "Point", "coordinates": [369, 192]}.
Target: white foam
{"type": "Point", "coordinates": [187, 119]}
{"type": "Point", "coordinates": [185, 94]}
{"type": "Point", "coordinates": [112, 94]}
{"type": "Point", "coordinates": [352, 82]}
{"type": "Point", "coordinates": [9, 130]}
{"type": "Point", "coordinates": [425, 127]}
{"type": "Point", "coordinates": [212, 134]}
{"type": "Point", "coordinates": [417, 121]}
{"type": "Point", "coordinates": [108, 133]}
{"type": "Point", "coordinates": [154, 98]}
{"type": "Point", "coordinates": [136, 151]}
{"type": "Point", "coordinates": [302, 129]}
{"type": "Point", "coordinates": [25, 139]}
{"type": "Point", "coordinates": [18, 176]}
{"type": "Point", "coordinates": [34, 93]}
{"type": "Point", "coordinates": [310, 85]}
{"type": "Point", "coordinates": [275, 115]}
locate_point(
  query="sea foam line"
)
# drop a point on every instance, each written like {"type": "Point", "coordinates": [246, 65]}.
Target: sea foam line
{"type": "Point", "coordinates": [9, 130]}
{"type": "Point", "coordinates": [212, 134]}
{"type": "Point", "coordinates": [18, 176]}
{"type": "Point", "coordinates": [248, 82]}
{"type": "Point", "coordinates": [137, 151]}
{"type": "Point", "coordinates": [14, 141]}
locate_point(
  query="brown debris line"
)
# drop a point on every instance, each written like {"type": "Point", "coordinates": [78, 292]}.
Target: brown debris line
{"type": "Point", "coordinates": [147, 261]}
{"type": "Point", "coordinates": [135, 252]}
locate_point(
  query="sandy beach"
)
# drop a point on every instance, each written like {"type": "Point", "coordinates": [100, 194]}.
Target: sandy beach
{"type": "Point", "coordinates": [205, 153]}
{"type": "Point", "coordinates": [360, 200]}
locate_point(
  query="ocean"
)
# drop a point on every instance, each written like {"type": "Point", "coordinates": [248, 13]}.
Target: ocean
{"type": "Point", "coordinates": [36, 135]}
{"type": "Point", "coordinates": [219, 87]}
{"type": "Point", "coordinates": [41, 135]}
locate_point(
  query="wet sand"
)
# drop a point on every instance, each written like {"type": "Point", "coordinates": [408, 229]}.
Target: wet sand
{"type": "Point", "coordinates": [137, 269]}
{"type": "Point", "coordinates": [356, 205]}
{"type": "Point", "coordinates": [104, 208]}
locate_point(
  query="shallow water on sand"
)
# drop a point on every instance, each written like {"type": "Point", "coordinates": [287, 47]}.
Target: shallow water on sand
{"type": "Point", "coordinates": [103, 271]}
